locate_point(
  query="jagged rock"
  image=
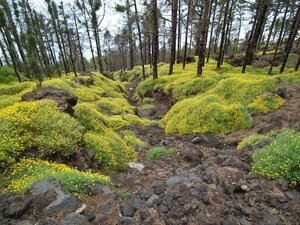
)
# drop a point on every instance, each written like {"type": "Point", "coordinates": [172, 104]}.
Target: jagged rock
{"type": "Point", "coordinates": [158, 187]}
{"type": "Point", "coordinates": [230, 220]}
{"type": "Point", "coordinates": [45, 222]}
{"type": "Point", "coordinates": [106, 208]}
{"type": "Point", "coordinates": [135, 166]}
{"type": "Point", "coordinates": [207, 139]}
{"type": "Point", "coordinates": [88, 82]}
{"type": "Point", "coordinates": [152, 200]}
{"type": "Point", "coordinates": [89, 213]}
{"type": "Point", "coordinates": [56, 201]}
{"type": "Point", "coordinates": [15, 206]}
{"type": "Point", "coordinates": [193, 157]}
{"type": "Point", "coordinates": [271, 220]}
{"type": "Point", "coordinates": [65, 100]}
{"type": "Point", "coordinates": [24, 222]}
{"type": "Point", "coordinates": [128, 209]}
{"type": "Point", "coordinates": [74, 219]}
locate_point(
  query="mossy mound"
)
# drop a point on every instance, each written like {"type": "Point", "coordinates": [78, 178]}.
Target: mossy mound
{"type": "Point", "coordinates": [207, 113]}
{"type": "Point", "coordinates": [266, 103]}
{"type": "Point", "coordinates": [39, 126]}
{"type": "Point", "coordinates": [280, 159]}
{"type": "Point", "coordinates": [28, 171]}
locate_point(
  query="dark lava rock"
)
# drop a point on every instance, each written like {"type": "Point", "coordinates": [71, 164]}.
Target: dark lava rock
{"type": "Point", "coordinates": [193, 156]}
{"type": "Point", "coordinates": [207, 139]}
{"type": "Point", "coordinates": [271, 126]}
{"type": "Point", "coordinates": [15, 206]}
{"type": "Point", "coordinates": [88, 82]}
{"type": "Point", "coordinates": [158, 187]}
{"type": "Point", "coordinates": [106, 208]}
{"type": "Point", "coordinates": [45, 222]}
{"type": "Point", "coordinates": [126, 221]}
{"type": "Point", "coordinates": [271, 220]}
{"type": "Point", "coordinates": [89, 213]}
{"type": "Point", "coordinates": [65, 100]}
{"type": "Point", "coordinates": [24, 222]}
{"type": "Point", "coordinates": [230, 220]}
{"type": "Point", "coordinates": [128, 209]}
{"type": "Point", "coordinates": [152, 200]}
{"type": "Point", "coordinates": [74, 219]}
{"type": "Point", "coordinates": [58, 200]}
{"type": "Point", "coordinates": [190, 59]}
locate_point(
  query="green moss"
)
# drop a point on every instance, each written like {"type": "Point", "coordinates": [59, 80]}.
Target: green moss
{"type": "Point", "coordinates": [110, 149]}
{"type": "Point", "coordinates": [7, 75]}
{"type": "Point", "coordinates": [27, 172]}
{"type": "Point", "coordinates": [266, 103]}
{"type": "Point", "coordinates": [157, 152]}
{"type": "Point", "coordinates": [251, 140]}
{"type": "Point", "coordinates": [280, 159]}
{"type": "Point", "coordinates": [38, 125]}
{"type": "Point", "coordinates": [206, 114]}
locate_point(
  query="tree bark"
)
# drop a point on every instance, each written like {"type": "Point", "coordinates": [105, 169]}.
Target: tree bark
{"type": "Point", "coordinates": [223, 35]}
{"type": "Point", "coordinates": [186, 34]}
{"type": "Point", "coordinates": [293, 32]}
{"type": "Point", "coordinates": [253, 40]}
{"type": "Point", "coordinates": [202, 37]}
{"type": "Point", "coordinates": [211, 29]}
{"type": "Point", "coordinates": [279, 39]}
{"type": "Point", "coordinates": [277, 11]}
{"type": "Point", "coordinates": [155, 38]}
{"type": "Point", "coordinates": [173, 35]}
{"type": "Point", "coordinates": [140, 39]}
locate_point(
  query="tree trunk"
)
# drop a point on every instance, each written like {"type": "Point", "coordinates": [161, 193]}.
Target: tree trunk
{"type": "Point", "coordinates": [223, 35]}
{"type": "Point", "coordinates": [130, 39]}
{"type": "Point", "coordinates": [155, 38]}
{"type": "Point", "coordinates": [291, 38]}
{"type": "Point", "coordinates": [140, 39]}
{"type": "Point", "coordinates": [69, 39]}
{"type": "Point", "coordinates": [179, 34]}
{"type": "Point", "coordinates": [78, 41]}
{"type": "Point", "coordinates": [202, 37]}
{"type": "Point", "coordinates": [261, 12]}
{"type": "Point", "coordinates": [173, 35]}
{"type": "Point", "coordinates": [279, 39]}
{"type": "Point", "coordinates": [186, 34]}
{"type": "Point", "coordinates": [271, 28]}
{"type": "Point", "coordinates": [211, 29]}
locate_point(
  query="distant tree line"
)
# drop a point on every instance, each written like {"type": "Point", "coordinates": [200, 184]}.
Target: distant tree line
{"type": "Point", "coordinates": [44, 44]}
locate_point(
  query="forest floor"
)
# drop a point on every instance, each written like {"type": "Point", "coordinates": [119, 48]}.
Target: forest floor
{"type": "Point", "coordinates": [205, 181]}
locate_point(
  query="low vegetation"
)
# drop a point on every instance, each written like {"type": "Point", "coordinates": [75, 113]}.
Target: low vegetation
{"type": "Point", "coordinates": [157, 152]}
{"type": "Point", "coordinates": [280, 159]}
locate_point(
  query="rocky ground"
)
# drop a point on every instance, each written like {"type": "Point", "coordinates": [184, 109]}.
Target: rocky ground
{"type": "Point", "coordinates": [206, 182]}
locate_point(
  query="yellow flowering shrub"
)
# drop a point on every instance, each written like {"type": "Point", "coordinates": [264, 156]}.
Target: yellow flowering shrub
{"type": "Point", "coordinates": [110, 149]}
{"type": "Point", "coordinates": [266, 103]}
{"type": "Point", "coordinates": [280, 159]}
{"type": "Point", "coordinates": [251, 140]}
{"type": "Point", "coordinates": [206, 114]}
{"type": "Point", "coordinates": [29, 171]}
{"type": "Point", "coordinates": [38, 125]}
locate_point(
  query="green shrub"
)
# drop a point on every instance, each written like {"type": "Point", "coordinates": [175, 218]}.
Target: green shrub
{"type": "Point", "coordinates": [12, 89]}
{"type": "Point", "coordinates": [38, 125]}
{"type": "Point", "coordinates": [7, 75]}
{"type": "Point", "coordinates": [28, 171]}
{"type": "Point", "coordinates": [110, 149]}
{"type": "Point", "coordinates": [157, 152]}
{"type": "Point", "coordinates": [206, 114]}
{"type": "Point", "coordinates": [266, 103]}
{"type": "Point", "coordinates": [251, 140]}
{"type": "Point", "coordinates": [280, 159]}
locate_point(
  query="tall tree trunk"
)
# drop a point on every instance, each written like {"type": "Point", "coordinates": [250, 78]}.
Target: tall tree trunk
{"type": "Point", "coordinates": [173, 35]}
{"type": "Point", "coordinates": [223, 35]}
{"type": "Point", "coordinates": [279, 39]}
{"type": "Point", "coordinates": [78, 41]}
{"type": "Point", "coordinates": [140, 39]}
{"type": "Point", "coordinates": [69, 39]}
{"type": "Point", "coordinates": [218, 27]}
{"type": "Point", "coordinates": [11, 49]}
{"type": "Point", "coordinates": [130, 38]}
{"type": "Point", "coordinates": [293, 32]}
{"type": "Point", "coordinates": [179, 34]}
{"type": "Point", "coordinates": [4, 53]}
{"type": "Point", "coordinates": [186, 33]}
{"type": "Point", "coordinates": [261, 12]}
{"type": "Point", "coordinates": [211, 29]}
{"type": "Point", "coordinates": [86, 24]}
{"type": "Point", "coordinates": [202, 37]}
{"type": "Point", "coordinates": [155, 38]}
{"type": "Point", "coordinates": [277, 11]}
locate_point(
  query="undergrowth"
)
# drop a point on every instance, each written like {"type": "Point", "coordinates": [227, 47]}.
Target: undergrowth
{"type": "Point", "coordinates": [157, 152]}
